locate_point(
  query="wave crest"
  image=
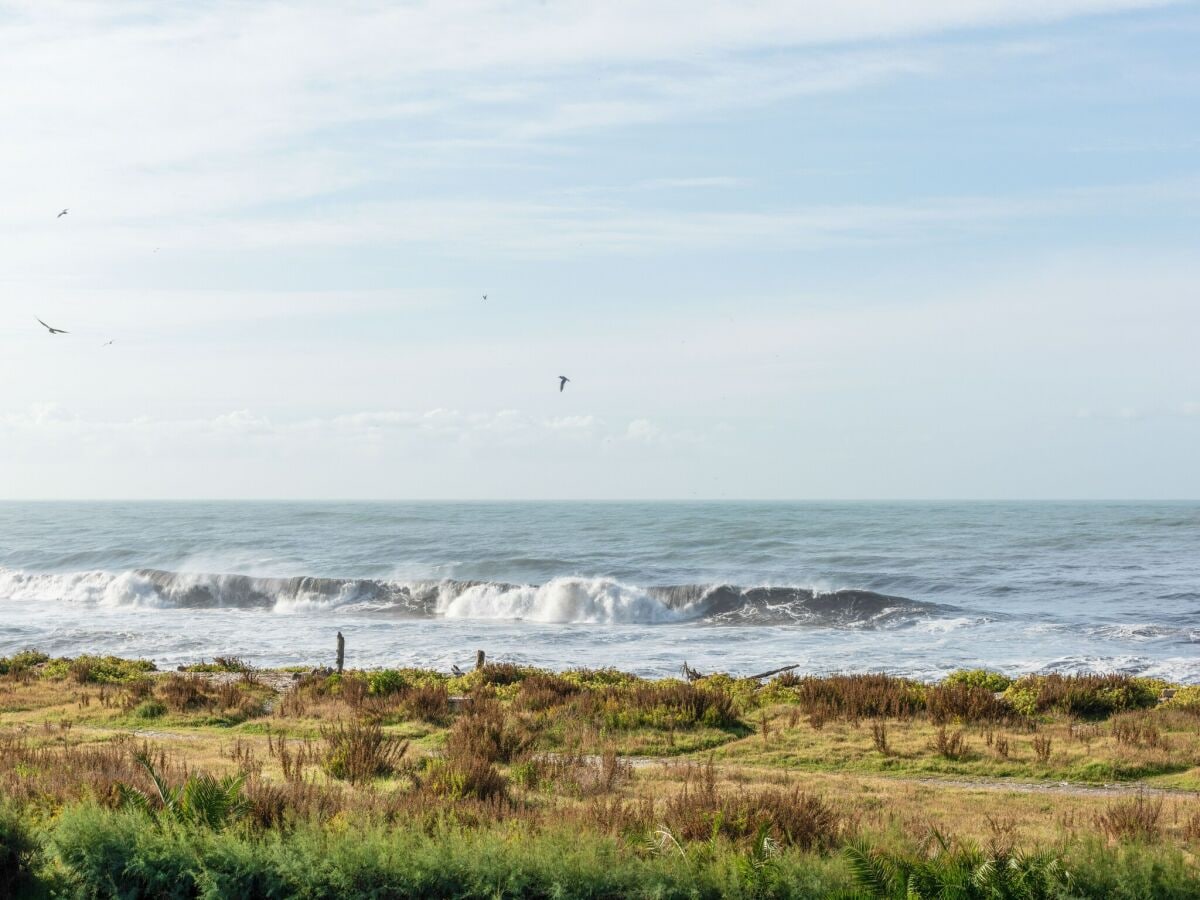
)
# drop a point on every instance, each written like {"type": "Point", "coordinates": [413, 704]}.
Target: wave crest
{"type": "Point", "coordinates": [576, 600]}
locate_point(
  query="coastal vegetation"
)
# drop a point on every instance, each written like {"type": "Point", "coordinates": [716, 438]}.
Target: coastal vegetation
{"type": "Point", "coordinates": [117, 780]}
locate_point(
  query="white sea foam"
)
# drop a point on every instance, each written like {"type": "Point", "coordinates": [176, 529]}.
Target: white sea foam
{"type": "Point", "coordinates": [562, 600]}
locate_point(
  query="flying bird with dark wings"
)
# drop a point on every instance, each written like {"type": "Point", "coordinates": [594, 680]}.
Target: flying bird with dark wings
{"type": "Point", "coordinates": [106, 343]}
{"type": "Point", "coordinates": [61, 214]}
{"type": "Point", "coordinates": [50, 329]}
{"type": "Point", "coordinates": [485, 296]}
{"type": "Point", "coordinates": [562, 382]}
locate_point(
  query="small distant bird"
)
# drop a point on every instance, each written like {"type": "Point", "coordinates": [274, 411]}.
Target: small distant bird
{"type": "Point", "coordinates": [485, 296]}
{"type": "Point", "coordinates": [106, 343]}
{"type": "Point", "coordinates": [562, 382]}
{"type": "Point", "coordinates": [61, 214]}
{"type": "Point", "coordinates": [51, 330]}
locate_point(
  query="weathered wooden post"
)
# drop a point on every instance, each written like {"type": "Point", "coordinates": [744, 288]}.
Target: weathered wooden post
{"type": "Point", "coordinates": [478, 660]}
{"type": "Point", "coordinates": [341, 652]}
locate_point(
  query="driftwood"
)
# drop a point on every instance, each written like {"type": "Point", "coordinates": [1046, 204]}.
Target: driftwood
{"type": "Point", "coordinates": [689, 673]}
{"type": "Point", "coordinates": [341, 656]}
{"type": "Point", "coordinates": [774, 672]}
{"type": "Point", "coordinates": [479, 658]}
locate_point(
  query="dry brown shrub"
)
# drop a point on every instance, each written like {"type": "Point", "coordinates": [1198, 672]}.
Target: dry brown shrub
{"type": "Point", "coordinates": [1042, 747]}
{"type": "Point", "coordinates": [487, 732]}
{"type": "Point", "coordinates": [1135, 819]}
{"type": "Point", "coordinates": [1138, 729]}
{"type": "Point", "coordinates": [859, 696]}
{"type": "Point", "coordinates": [544, 691]}
{"type": "Point", "coordinates": [950, 745]}
{"type": "Point", "coordinates": [354, 691]}
{"type": "Point", "coordinates": [879, 737]}
{"type": "Point", "coordinates": [958, 702]}
{"type": "Point", "coordinates": [791, 817]}
{"type": "Point", "coordinates": [183, 692]}
{"type": "Point", "coordinates": [427, 702]}
{"type": "Point", "coordinates": [359, 751]}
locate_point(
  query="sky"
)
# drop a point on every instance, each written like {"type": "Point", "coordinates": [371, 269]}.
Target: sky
{"type": "Point", "coordinates": [937, 249]}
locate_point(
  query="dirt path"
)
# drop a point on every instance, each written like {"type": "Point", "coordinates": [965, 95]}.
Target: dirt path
{"type": "Point", "coordinates": [1062, 788]}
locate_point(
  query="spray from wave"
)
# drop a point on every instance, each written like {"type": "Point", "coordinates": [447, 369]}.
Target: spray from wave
{"type": "Point", "coordinates": [575, 600]}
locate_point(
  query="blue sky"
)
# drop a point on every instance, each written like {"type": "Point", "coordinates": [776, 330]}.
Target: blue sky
{"type": "Point", "coordinates": [854, 250]}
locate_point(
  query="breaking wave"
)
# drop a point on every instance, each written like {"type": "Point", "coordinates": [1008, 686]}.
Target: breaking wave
{"type": "Point", "coordinates": [560, 600]}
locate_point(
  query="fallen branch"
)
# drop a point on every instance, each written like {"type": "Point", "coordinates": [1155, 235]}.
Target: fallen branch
{"type": "Point", "coordinates": [774, 672]}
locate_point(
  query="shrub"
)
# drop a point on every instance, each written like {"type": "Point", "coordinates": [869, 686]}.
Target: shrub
{"type": "Point", "coordinates": [17, 851]}
{"type": "Point", "coordinates": [360, 751]}
{"type": "Point", "coordinates": [463, 777]}
{"type": "Point", "coordinates": [183, 692]}
{"type": "Point", "coordinates": [950, 745]}
{"type": "Point", "coordinates": [1186, 698]}
{"type": "Point", "coordinates": [1085, 696]}
{"type": "Point", "coordinates": [22, 661]}
{"type": "Point", "coordinates": [962, 702]}
{"type": "Point", "coordinates": [99, 669]}
{"type": "Point", "coordinates": [385, 681]}
{"type": "Point", "coordinates": [149, 709]}
{"type": "Point", "coordinates": [486, 732]}
{"type": "Point", "coordinates": [1041, 748]}
{"type": "Point", "coordinates": [791, 818]}
{"type": "Point", "coordinates": [956, 870]}
{"type": "Point", "coordinates": [544, 690]}
{"type": "Point", "coordinates": [978, 678]}
{"type": "Point", "coordinates": [1135, 819]}
{"type": "Point", "coordinates": [200, 800]}
{"type": "Point", "coordinates": [860, 696]}
{"type": "Point", "coordinates": [664, 704]}
{"type": "Point", "coordinates": [879, 737]}
{"type": "Point", "coordinates": [427, 702]}
{"type": "Point", "coordinates": [1137, 730]}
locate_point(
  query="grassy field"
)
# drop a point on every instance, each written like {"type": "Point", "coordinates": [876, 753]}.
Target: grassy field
{"type": "Point", "coordinates": [120, 781]}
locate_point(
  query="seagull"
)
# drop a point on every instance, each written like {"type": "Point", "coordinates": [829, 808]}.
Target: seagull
{"type": "Point", "coordinates": [562, 382]}
{"type": "Point", "coordinates": [106, 343]}
{"type": "Point", "coordinates": [61, 214]}
{"type": "Point", "coordinates": [485, 296]}
{"type": "Point", "coordinates": [52, 330]}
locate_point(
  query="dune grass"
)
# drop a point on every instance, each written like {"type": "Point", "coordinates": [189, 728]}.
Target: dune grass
{"type": "Point", "coordinates": [515, 782]}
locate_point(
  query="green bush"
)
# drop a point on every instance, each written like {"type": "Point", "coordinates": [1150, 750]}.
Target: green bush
{"type": "Point", "coordinates": [17, 852]}
{"type": "Point", "coordinates": [150, 709]}
{"type": "Point", "coordinates": [19, 662]}
{"type": "Point", "coordinates": [99, 669]}
{"type": "Point", "coordinates": [107, 854]}
{"type": "Point", "coordinates": [1186, 698]}
{"type": "Point", "coordinates": [385, 681]}
{"type": "Point", "coordinates": [982, 678]}
{"type": "Point", "coordinates": [1086, 696]}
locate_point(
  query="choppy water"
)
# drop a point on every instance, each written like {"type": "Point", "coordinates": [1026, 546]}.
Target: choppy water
{"type": "Point", "coordinates": [911, 588]}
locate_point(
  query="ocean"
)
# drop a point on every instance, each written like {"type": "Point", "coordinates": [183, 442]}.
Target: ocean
{"type": "Point", "coordinates": [917, 589]}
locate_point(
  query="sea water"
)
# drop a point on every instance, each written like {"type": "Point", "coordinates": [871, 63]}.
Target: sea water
{"type": "Point", "coordinates": [910, 588]}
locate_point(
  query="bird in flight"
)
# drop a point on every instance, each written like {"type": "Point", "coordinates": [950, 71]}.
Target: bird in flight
{"type": "Point", "coordinates": [61, 214]}
{"type": "Point", "coordinates": [52, 330]}
{"type": "Point", "coordinates": [106, 343]}
{"type": "Point", "coordinates": [562, 382]}
{"type": "Point", "coordinates": [485, 296]}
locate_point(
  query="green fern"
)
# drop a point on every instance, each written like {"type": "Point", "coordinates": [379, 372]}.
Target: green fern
{"type": "Point", "coordinates": [200, 800]}
{"type": "Point", "coordinates": [872, 872]}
